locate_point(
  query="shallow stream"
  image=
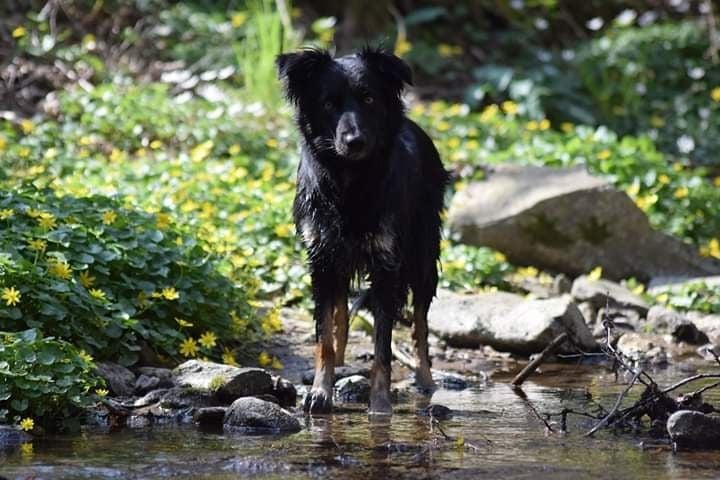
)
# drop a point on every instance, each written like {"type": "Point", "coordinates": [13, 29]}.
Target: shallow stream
{"type": "Point", "coordinates": [494, 434]}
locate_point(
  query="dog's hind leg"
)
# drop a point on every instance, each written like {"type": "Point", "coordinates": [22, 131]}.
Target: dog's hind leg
{"type": "Point", "coordinates": [341, 320]}
{"type": "Point", "coordinates": [319, 398]}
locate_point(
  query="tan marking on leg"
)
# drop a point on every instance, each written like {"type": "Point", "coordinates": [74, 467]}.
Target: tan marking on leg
{"type": "Point", "coordinates": [423, 374]}
{"type": "Point", "coordinates": [341, 321]}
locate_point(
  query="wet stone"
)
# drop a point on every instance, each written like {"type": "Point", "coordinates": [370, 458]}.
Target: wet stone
{"type": "Point", "coordinates": [440, 412]}
{"type": "Point", "coordinates": [150, 398]}
{"type": "Point", "coordinates": [144, 384]}
{"type": "Point", "coordinates": [340, 372]}
{"type": "Point", "coordinates": [180, 397]}
{"type": "Point", "coordinates": [284, 391]}
{"type": "Point", "coordinates": [210, 416]}
{"type": "Point", "coordinates": [252, 415]}
{"type": "Point", "coordinates": [355, 388]}
{"type": "Point", "coordinates": [691, 429]}
{"type": "Point", "coordinates": [11, 437]}
{"type": "Point", "coordinates": [164, 375]}
{"type": "Point", "coordinates": [453, 382]}
{"type": "Point", "coordinates": [119, 379]}
{"type": "Point", "coordinates": [226, 381]}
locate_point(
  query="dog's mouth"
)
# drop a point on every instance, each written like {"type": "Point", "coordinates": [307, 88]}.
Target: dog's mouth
{"type": "Point", "coordinates": [352, 152]}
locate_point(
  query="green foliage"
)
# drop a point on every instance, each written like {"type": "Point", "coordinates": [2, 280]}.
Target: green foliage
{"type": "Point", "coordinates": [44, 378]}
{"type": "Point", "coordinates": [657, 80]}
{"type": "Point", "coordinates": [697, 296]}
{"type": "Point", "coordinates": [104, 277]}
{"type": "Point", "coordinates": [468, 268]}
{"type": "Point", "coordinates": [677, 198]}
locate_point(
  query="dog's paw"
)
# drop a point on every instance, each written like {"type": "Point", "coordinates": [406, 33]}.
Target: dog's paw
{"type": "Point", "coordinates": [318, 400]}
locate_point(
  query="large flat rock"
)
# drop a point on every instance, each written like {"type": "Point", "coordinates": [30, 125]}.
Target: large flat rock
{"type": "Point", "coordinates": [226, 381]}
{"type": "Point", "coordinates": [569, 221]}
{"type": "Point", "coordinates": [507, 322]}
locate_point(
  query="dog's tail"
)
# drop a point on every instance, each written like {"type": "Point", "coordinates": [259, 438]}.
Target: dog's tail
{"type": "Point", "coordinates": [360, 302]}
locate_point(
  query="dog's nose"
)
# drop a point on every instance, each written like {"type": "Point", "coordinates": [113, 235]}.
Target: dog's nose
{"type": "Point", "coordinates": [354, 141]}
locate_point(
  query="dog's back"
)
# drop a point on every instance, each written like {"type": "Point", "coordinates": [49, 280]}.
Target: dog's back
{"type": "Point", "coordinates": [369, 197]}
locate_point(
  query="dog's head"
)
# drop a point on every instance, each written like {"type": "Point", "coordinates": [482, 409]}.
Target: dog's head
{"type": "Point", "coordinates": [349, 106]}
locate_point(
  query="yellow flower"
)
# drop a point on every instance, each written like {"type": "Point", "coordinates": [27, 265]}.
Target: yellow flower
{"type": "Point", "coordinates": [188, 347]}
{"type": "Point", "coordinates": [715, 94]}
{"type": "Point", "coordinates": [447, 50]}
{"type": "Point", "coordinates": [499, 257]}
{"type": "Point", "coordinates": [155, 144]}
{"type": "Point", "coordinates": [116, 155]}
{"type": "Point", "coordinates": [596, 273]}
{"type": "Point", "coordinates": [544, 124]}
{"type": "Point", "coordinates": [402, 46]}
{"type": "Point", "coordinates": [528, 271]}
{"type": "Point", "coordinates": [271, 323]}
{"type": "Point", "coordinates": [532, 125]}
{"type": "Point", "coordinates": [208, 339]}
{"type": "Point", "coordinates": [109, 217]}
{"type": "Point", "coordinates": [24, 152]}
{"type": "Point", "coordinates": [639, 290]}
{"type": "Point", "coordinates": [681, 192]}
{"type": "Point", "coordinates": [712, 249]}
{"type": "Point", "coordinates": [646, 202]}
{"type": "Point", "coordinates": [47, 220]}
{"type": "Point", "coordinates": [283, 230]}
{"type": "Point", "coordinates": [162, 221]}
{"type": "Point", "coordinates": [276, 364]}
{"type": "Point", "coordinates": [509, 107]}
{"type": "Point", "coordinates": [3, 143]}
{"type": "Point", "coordinates": [662, 298]}
{"type": "Point", "coordinates": [567, 127]}
{"type": "Point", "coordinates": [664, 179]}
{"type": "Point", "coordinates": [6, 213]}
{"type": "Point", "coordinates": [238, 19]}
{"type": "Point", "coordinates": [26, 449]}
{"type": "Point", "coordinates": [633, 189]}
{"type": "Point", "coordinates": [183, 323]}
{"type": "Point", "coordinates": [85, 356]}
{"type": "Point", "coordinates": [61, 270]}
{"type": "Point", "coordinates": [678, 167]}
{"type": "Point", "coordinates": [264, 359]}
{"type": "Point", "coordinates": [234, 149]}
{"type": "Point", "coordinates": [27, 424]}
{"type": "Point", "coordinates": [11, 296]}
{"type": "Point", "coordinates": [37, 244]}
{"type": "Point", "coordinates": [201, 151]}
{"type": "Point", "coordinates": [86, 279]}
{"type": "Point", "coordinates": [716, 182]}
{"type": "Point", "coordinates": [170, 293]}
{"type": "Point", "coordinates": [272, 143]}
{"type": "Point", "coordinates": [97, 294]}
{"type": "Point", "coordinates": [604, 154]}
{"type": "Point", "coordinates": [228, 358]}
{"type": "Point", "coordinates": [27, 126]}
{"type": "Point", "coordinates": [657, 121]}
{"type": "Point", "coordinates": [101, 392]}
{"type": "Point", "coordinates": [19, 32]}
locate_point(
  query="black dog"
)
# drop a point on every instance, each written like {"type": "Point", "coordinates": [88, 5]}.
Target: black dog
{"type": "Point", "coordinates": [369, 197]}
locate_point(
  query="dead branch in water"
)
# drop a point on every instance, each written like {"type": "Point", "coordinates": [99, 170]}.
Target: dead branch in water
{"type": "Point", "coordinates": [615, 407]}
{"type": "Point", "coordinates": [533, 365]}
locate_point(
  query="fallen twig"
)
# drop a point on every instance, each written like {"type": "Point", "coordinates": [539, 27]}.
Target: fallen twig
{"type": "Point", "coordinates": [533, 365]}
{"type": "Point", "coordinates": [615, 407]}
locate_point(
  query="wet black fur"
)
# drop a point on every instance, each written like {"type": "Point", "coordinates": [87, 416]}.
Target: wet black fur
{"type": "Point", "coordinates": [344, 204]}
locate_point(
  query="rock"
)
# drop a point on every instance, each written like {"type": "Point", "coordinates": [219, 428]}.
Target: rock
{"type": "Point", "coordinates": [138, 421]}
{"type": "Point", "coordinates": [604, 293]}
{"type": "Point", "coordinates": [284, 391]}
{"type": "Point", "coordinates": [453, 382]}
{"type": "Point", "coordinates": [226, 381]}
{"type": "Point", "coordinates": [151, 397]}
{"type": "Point", "coordinates": [622, 318]}
{"type": "Point", "coordinates": [691, 429]}
{"type": "Point", "coordinates": [569, 221]}
{"type": "Point", "coordinates": [255, 415]}
{"type": "Point", "coordinates": [12, 437]}
{"type": "Point", "coordinates": [644, 347]}
{"type": "Point", "coordinates": [120, 380]}
{"type": "Point", "coordinates": [186, 397]}
{"type": "Point", "coordinates": [210, 416]}
{"type": "Point", "coordinates": [561, 284]}
{"type": "Point", "coordinates": [507, 322]}
{"type": "Point", "coordinates": [164, 375]}
{"type": "Point", "coordinates": [661, 319]}
{"type": "Point", "coordinates": [144, 384]}
{"type": "Point", "coordinates": [355, 388]}
{"type": "Point", "coordinates": [709, 324]}
{"type": "Point", "coordinates": [340, 372]}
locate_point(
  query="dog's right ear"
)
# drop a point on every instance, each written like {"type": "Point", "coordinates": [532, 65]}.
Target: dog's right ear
{"type": "Point", "coordinates": [296, 70]}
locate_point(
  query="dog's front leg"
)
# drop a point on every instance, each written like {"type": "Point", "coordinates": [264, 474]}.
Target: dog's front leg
{"type": "Point", "coordinates": [387, 298]}
{"type": "Point", "coordinates": [319, 399]}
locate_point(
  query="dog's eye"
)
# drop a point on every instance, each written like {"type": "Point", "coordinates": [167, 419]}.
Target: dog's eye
{"type": "Point", "coordinates": [368, 99]}
{"type": "Point", "coordinates": [328, 105]}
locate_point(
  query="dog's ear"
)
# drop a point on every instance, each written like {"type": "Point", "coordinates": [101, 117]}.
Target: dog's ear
{"type": "Point", "coordinates": [388, 64]}
{"type": "Point", "coordinates": [296, 70]}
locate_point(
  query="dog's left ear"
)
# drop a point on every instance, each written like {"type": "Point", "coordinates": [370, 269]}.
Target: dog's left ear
{"type": "Point", "coordinates": [388, 64]}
